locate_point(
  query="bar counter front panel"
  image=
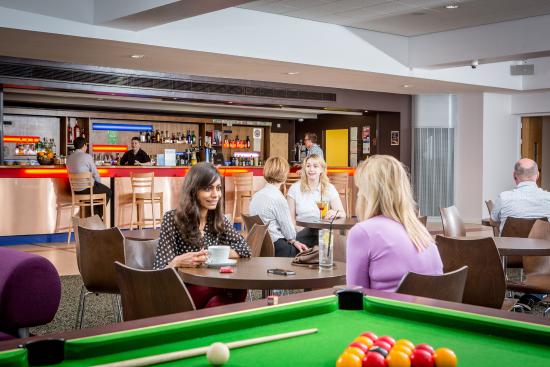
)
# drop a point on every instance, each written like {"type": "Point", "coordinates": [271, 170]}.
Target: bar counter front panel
{"type": "Point", "coordinates": [37, 199]}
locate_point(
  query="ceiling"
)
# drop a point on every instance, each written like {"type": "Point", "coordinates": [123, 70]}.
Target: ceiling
{"type": "Point", "coordinates": [404, 17]}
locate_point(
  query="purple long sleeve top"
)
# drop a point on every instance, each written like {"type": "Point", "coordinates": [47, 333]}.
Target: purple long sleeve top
{"type": "Point", "coordinates": [380, 252]}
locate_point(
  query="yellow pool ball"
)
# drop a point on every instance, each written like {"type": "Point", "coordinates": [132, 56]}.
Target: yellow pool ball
{"type": "Point", "coordinates": [398, 359]}
{"type": "Point", "coordinates": [364, 340]}
{"type": "Point", "coordinates": [444, 357]}
{"type": "Point", "coordinates": [348, 360]}
{"type": "Point", "coordinates": [406, 342]}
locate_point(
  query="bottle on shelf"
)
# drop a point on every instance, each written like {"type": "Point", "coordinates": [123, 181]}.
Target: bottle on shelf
{"type": "Point", "coordinates": [142, 136]}
{"type": "Point", "coordinates": [76, 131]}
{"type": "Point", "coordinates": [225, 142]}
{"type": "Point", "coordinates": [193, 138]}
{"type": "Point", "coordinates": [237, 142]}
{"type": "Point", "coordinates": [147, 137]}
{"type": "Point", "coordinates": [83, 133]}
{"type": "Point", "coordinates": [167, 137]}
{"type": "Point", "coordinates": [157, 137]}
{"type": "Point", "coordinates": [247, 145]}
{"type": "Point", "coordinates": [188, 137]}
{"type": "Point", "coordinates": [69, 134]}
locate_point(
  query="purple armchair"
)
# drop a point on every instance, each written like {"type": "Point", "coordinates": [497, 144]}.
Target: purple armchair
{"type": "Point", "coordinates": [30, 291]}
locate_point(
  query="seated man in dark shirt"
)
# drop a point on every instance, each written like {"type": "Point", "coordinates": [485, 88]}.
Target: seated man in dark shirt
{"type": "Point", "coordinates": [135, 156]}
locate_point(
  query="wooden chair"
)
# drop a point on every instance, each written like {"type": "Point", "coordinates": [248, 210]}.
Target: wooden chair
{"type": "Point", "coordinates": [255, 238]}
{"type": "Point", "coordinates": [268, 248]}
{"type": "Point", "coordinates": [143, 192]}
{"type": "Point", "coordinates": [97, 250]}
{"type": "Point", "coordinates": [93, 222]}
{"type": "Point", "coordinates": [243, 189]}
{"type": "Point", "coordinates": [290, 179]}
{"type": "Point", "coordinates": [536, 269]}
{"type": "Point", "coordinates": [140, 254]}
{"type": "Point", "coordinates": [424, 220]}
{"type": "Point", "coordinates": [447, 287]}
{"type": "Point", "coordinates": [453, 226]}
{"type": "Point", "coordinates": [149, 293]}
{"type": "Point", "coordinates": [518, 227]}
{"type": "Point", "coordinates": [250, 220]}
{"type": "Point", "coordinates": [80, 182]}
{"type": "Point", "coordinates": [485, 284]}
{"type": "Point", "coordinates": [340, 180]}
{"type": "Point", "coordinates": [494, 225]}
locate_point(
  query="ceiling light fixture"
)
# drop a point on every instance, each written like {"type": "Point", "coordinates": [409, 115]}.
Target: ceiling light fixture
{"type": "Point", "coordinates": [451, 6]}
{"type": "Point", "coordinates": [293, 73]}
{"type": "Point", "coordinates": [137, 56]}
{"type": "Point", "coordinates": [406, 85]}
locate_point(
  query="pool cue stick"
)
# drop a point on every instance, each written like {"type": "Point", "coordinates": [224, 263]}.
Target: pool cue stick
{"type": "Point", "coordinates": [172, 356]}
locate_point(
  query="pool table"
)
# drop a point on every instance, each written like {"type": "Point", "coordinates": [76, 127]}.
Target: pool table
{"type": "Point", "coordinates": [479, 336]}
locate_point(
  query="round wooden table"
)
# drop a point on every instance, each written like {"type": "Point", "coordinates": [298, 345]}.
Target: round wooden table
{"type": "Point", "coordinates": [142, 234]}
{"type": "Point", "coordinates": [252, 274]}
{"type": "Point", "coordinates": [339, 223]}
{"type": "Point", "coordinates": [516, 246]}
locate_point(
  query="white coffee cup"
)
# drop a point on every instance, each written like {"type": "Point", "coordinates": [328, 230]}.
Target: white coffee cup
{"type": "Point", "coordinates": [218, 254]}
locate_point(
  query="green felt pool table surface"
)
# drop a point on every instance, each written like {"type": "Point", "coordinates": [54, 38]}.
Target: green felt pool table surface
{"type": "Point", "coordinates": [478, 340]}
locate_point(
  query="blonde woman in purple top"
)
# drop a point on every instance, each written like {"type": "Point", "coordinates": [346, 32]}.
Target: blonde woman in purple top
{"type": "Point", "coordinates": [389, 241]}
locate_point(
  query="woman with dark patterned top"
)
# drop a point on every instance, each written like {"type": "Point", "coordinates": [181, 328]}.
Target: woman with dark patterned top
{"type": "Point", "coordinates": [198, 222]}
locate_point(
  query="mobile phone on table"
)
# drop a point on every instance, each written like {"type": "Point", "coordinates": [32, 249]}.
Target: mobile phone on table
{"type": "Point", "coordinates": [281, 272]}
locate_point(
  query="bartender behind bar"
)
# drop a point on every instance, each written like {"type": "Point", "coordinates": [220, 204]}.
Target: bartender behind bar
{"type": "Point", "coordinates": [136, 156]}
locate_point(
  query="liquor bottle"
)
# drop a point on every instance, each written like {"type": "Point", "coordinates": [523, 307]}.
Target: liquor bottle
{"type": "Point", "coordinates": [147, 137]}
{"type": "Point", "coordinates": [237, 142]}
{"type": "Point", "coordinates": [76, 131]}
{"type": "Point", "coordinates": [247, 142]}
{"type": "Point", "coordinates": [83, 133]}
{"type": "Point", "coordinates": [69, 134]}
{"type": "Point", "coordinates": [142, 136]}
{"type": "Point", "coordinates": [225, 142]}
{"type": "Point", "coordinates": [200, 141]}
{"type": "Point", "coordinates": [188, 137]}
{"type": "Point", "coordinates": [167, 137]}
{"type": "Point", "coordinates": [193, 137]}
{"type": "Point", "coordinates": [157, 137]}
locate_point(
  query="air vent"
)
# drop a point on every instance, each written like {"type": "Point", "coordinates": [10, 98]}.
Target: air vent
{"type": "Point", "coordinates": [45, 73]}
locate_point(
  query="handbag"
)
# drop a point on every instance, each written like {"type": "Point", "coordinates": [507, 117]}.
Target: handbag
{"type": "Point", "coordinates": [309, 258]}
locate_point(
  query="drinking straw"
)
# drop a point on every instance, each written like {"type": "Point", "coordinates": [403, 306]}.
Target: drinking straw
{"type": "Point", "coordinates": [330, 233]}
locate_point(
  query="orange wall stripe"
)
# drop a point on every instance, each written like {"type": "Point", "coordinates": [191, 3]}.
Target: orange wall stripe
{"type": "Point", "coordinates": [110, 148]}
{"type": "Point", "coordinates": [21, 139]}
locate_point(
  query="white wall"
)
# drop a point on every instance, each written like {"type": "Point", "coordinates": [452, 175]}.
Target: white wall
{"type": "Point", "coordinates": [434, 110]}
{"type": "Point", "coordinates": [469, 156]}
{"type": "Point", "coordinates": [534, 103]}
{"type": "Point", "coordinates": [501, 145]}
{"type": "Point", "coordinates": [546, 153]}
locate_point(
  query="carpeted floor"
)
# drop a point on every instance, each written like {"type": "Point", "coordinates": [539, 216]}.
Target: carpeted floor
{"type": "Point", "coordinates": [99, 309]}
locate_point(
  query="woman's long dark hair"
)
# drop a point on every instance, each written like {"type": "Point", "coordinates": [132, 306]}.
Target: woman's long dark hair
{"type": "Point", "coordinates": [198, 178]}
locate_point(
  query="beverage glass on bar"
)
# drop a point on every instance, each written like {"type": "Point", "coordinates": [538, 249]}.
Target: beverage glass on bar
{"type": "Point", "coordinates": [326, 249]}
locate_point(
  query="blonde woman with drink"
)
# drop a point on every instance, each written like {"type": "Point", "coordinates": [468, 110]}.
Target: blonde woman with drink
{"type": "Point", "coordinates": [313, 191]}
{"type": "Point", "coordinates": [389, 241]}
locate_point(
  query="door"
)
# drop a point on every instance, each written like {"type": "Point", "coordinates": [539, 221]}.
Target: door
{"type": "Point", "coordinates": [531, 141]}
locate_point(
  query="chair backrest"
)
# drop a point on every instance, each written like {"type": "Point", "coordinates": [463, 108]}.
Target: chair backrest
{"type": "Point", "coordinates": [97, 250]}
{"type": "Point", "coordinates": [538, 264]}
{"type": "Point", "coordinates": [495, 225]}
{"type": "Point", "coordinates": [140, 254]}
{"type": "Point", "coordinates": [290, 179]}
{"type": "Point", "coordinates": [340, 181]}
{"type": "Point", "coordinates": [93, 222]}
{"type": "Point", "coordinates": [485, 284]}
{"type": "Point", "coordinates": [149, 293]}
{"type": "Point", "coordinates": [446, 287]}
{"type": "Point", "coordinates": [423, 219]}
{"type": "Point", "coordinates": [268, 248]}
{"type": "Point", "coordinates": [490, 206]}
{"type": "Point", "coordinates": [453, 226]}
{"type": "Point", "coordinates": [243, 182]}
{"type": "Point", "coordinates": [81, 181]}
{"type": "Point", "coordinates": [143, 182]}
{"type": "Point", "coordinates": [519, 227]}
{"type": "Point", "coordinates": [255, 238]}
{"type": "Point", "coordinates": [250, 220]}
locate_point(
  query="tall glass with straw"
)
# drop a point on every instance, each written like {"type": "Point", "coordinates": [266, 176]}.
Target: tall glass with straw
{"type": "Point", "coordinates": [326, 244]}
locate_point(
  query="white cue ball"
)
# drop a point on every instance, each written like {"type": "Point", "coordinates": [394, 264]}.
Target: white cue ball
{"type": "Point", "coordinates": [217, 354]}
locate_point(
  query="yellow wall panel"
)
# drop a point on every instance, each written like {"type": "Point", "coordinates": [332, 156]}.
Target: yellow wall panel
{"type": "Point", "coordinates": [337, 147]}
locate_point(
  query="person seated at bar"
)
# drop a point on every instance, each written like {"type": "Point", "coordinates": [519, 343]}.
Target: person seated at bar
{"type": "Point", "coordinates": [307, 195]}
{"type": "Point", "coordinates": [527, 200]}
{"type": "Point", "coordinates": [79, 162]}
{"type": "Point", "coordinates": [197, 223]}
{"type": "Point", "coordinates": [389, 241]}
{"type": "Point", "coordinates": [270, 204]}
{"type": "Point", "coordinates": [136, 156]}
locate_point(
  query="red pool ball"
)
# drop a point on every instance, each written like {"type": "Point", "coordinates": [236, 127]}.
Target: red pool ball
{"type": "Point", "coordinates": [382, 344]}
{"type": "Point", "coordinates": [422, 358]}
{"type": "Point", "coordinates": [425, 347]}
{"type": "Point", "coordinates": [371, 336]}
{"type": "Point", "coordinates": [373, 359]}
{"type": "Point", "coordinates": [361, 346]}
{"type": "Point", "coordinates": [387, 339]}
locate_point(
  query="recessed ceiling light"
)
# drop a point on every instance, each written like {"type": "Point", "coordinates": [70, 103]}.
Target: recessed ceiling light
{"type": "Point", "coordinates": [175, 98]}
{"type": "Point", "coordinates": [406, 85]}
{"type": "Point", "coordinates": [229, 102]}
{"type": "Point", "coordinates": [293, 73]}
{"type": "Point", "coordinates": [100, 99]}
{"type": "Point", "coordinates": [137, 56]}
{"type": "Point", "coordinates": [451, 6]}
{"type": "Point", "coordinates": [366, 111]}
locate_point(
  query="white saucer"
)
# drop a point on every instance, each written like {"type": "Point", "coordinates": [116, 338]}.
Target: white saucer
{"type": "Point", "coordinates": [228, 262]}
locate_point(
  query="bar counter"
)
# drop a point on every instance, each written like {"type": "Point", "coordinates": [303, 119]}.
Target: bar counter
{"type": "Point", "coordinates": [36, 200]}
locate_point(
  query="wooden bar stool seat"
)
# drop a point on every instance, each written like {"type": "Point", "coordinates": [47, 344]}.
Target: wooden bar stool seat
{"type": "Point", "coordinates": [80, 182]}
{"type": "Point", "coordinates": [290, 179]}
{"type": "Point", "coordinates": [243, 189]}
{"type": "Point", "coordinates": [143, 192]}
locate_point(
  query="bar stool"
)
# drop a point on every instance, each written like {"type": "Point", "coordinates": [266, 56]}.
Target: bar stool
{"type": "Point", "coordinates": [340, 180]}
{"type": "Point", "coordinates": [242, 183]}
{"type": "Point", "coordinates": [80, 182]}
{"type": "Point", "coordinates": [143, 191]}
